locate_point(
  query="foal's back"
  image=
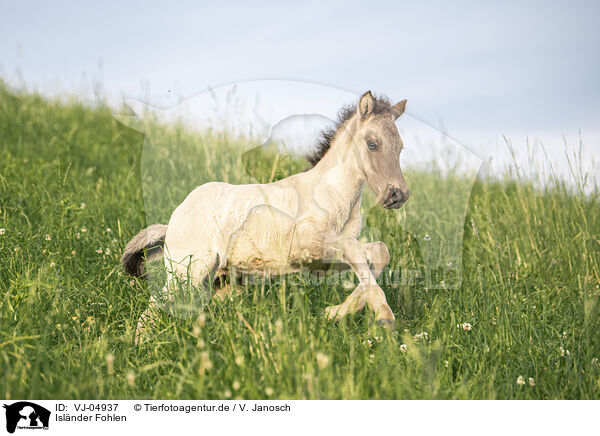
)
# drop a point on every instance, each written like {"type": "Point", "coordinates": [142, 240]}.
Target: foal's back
{"type": "Point", "coordinates": [204, 223]}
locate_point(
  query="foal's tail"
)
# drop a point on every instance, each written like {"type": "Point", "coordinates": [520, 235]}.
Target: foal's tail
{"type": "Point", "coordinates": [150, 242]}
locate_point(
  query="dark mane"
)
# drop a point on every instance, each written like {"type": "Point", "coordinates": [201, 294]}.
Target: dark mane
{"type": "Point", "coordinates": [382, 106]}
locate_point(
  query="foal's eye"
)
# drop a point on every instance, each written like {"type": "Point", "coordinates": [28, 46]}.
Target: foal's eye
{"type": "Point", "coordinates": [372, 146]}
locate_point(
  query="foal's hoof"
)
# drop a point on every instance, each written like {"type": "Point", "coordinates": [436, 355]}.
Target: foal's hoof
{"type": "Point", "coordinates": [139, 337]}
{"type": "Point", "coordinates": [387, 324]}
{"type": "Point", "coordinates": [141, 334]}
{"type": "Point", "coordinates": [333, 313]}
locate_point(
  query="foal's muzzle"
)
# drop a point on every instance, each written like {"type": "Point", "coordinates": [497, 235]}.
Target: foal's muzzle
{"type": "Point", "coordinates": [395, 197]}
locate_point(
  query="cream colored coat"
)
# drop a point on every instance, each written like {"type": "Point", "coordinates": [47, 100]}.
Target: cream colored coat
{"type": "Point", "coordinates": [305, 220]}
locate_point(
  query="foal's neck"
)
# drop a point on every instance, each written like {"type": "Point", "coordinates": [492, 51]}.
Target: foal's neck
{"type": "Point", "coordinates": [338, 176]}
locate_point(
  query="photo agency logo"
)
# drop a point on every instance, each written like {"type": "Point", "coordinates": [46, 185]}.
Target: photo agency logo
{"type": "Point", "coordinates": [25, 415]}
{"type": "Point", "coordinates": [262, 132]}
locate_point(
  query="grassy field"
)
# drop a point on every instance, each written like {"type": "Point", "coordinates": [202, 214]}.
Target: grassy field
{"type": "Point", "coordinates": [71, 197]}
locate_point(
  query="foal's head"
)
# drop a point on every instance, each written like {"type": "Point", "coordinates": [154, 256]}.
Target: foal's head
{"type": "Point", "coordinates": [378, 144]}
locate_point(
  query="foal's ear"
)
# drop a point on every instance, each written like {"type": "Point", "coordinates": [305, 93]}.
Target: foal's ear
{"type": "Point", "coordinates": [398, 109]}
{"type": "Point", "coordinates": [366, 105]}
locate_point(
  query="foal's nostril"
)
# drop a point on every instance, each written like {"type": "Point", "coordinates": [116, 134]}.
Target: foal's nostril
{"type": "Point", "coordinates": [396, 197]}
{"type": "Point", "coordinates": [395, 194]}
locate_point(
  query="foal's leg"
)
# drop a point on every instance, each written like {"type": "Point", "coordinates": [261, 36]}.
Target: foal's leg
{"type": "Point", "coordinates": [368, 291]}
{"type": "Point", "coordinates": [378, 257]}
{"type": "Point", "coordinates": [196, 272]}
{"type": "Point", "coordinates": [226, 290]}
{"type": "Point", "coordinates": [150, 315]}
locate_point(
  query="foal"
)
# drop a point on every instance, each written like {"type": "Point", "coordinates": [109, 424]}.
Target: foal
{"type": "Point", "coordinates": [298, 222]}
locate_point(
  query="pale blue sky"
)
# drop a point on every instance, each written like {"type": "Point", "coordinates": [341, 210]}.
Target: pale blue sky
{"type": "Point", "coordinates": [479, 66]}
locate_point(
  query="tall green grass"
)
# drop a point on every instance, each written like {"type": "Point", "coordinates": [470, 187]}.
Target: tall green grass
{"type": "Point", "coordinates": [71, 197]}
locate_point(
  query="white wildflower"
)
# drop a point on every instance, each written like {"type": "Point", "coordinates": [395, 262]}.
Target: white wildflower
{"type": "Point", "coordinates": [322, 360]}
{"type": "Point", "coordinates": [82, 206]}
{"type": "Point", "coordinates": [467, 326]}
{"type": "Point", "coordinates": [205, 362]}
{"type": "Point", "coordinates": [48, 238]}
{"type": "Point", "coordinates": [269, 391]}
{"type": "Point", "coordinates": [52, 264]}
{"type": "Point", "coordinates": [427, 238]}
{"type": "Point", "coordinates": [520, 380]}
{"type": "Point", "coordinates": [423, 336]}
{"type": "Point", "coordinates": [2, 232]}
{"type": "Point", "coordinates": [404, 348]}
{"type": "Point", "coordinates": [531, 381]}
